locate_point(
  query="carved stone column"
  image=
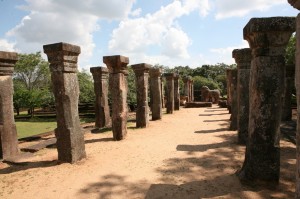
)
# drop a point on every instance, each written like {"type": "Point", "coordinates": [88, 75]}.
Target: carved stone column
{"type": "Point", "coordinates": [117, 66]}
{"type": "Point", "coordinates": [243, 60]}
{"type": "Point", "coordinates": [170, 92]}
{"type": "Point", "coordinates": [192, 90]}
{"type": "Point", "coordinates": [100, 76]}
{"type": "Point", "coordinates": [63, 66]}
{"type": "Point", "coordinates": [176, 93]}
{"type": "Point", "coordinates": [228, 82]}
{"type": "Point", "coordinates": [268, 38]}
{"type": "Point", "coordinates": [186, 91]}
{"type": "Point", "coordinates": [141, 76]}
{"type": "Point", "coordinates": [155, 87]}
{"type": "Point", "coordinates": [8, 131]}
{"type": "Point", "coordinates": [163, 102]}
{"type": "Point", "coordinates": [234, 99]}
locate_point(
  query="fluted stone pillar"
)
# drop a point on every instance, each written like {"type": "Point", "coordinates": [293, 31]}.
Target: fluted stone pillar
{"type": "Point", "coordinates": [234, 99]}
{"type": "Point", "coordinates": [243, 60]}
{"type": "Point", "coordinates": [63, 66]}
{"type": "Point", "coordinates": [155, 87]}
{"type": "Point", "coordinates": [141, 79]}
{"type": "Point", "coordinates": [8, 131]}
{"type": "Point", "coordinates": [296, 4]}
{"type": "Point", "coordinates": [176, 93]}
{"type": "Point", "coordinates": [117, 66]}
{"type": "Point", "coordinates": [268, 38]}
{"type": "Point", "coordinates": [287, 98]}
{"type": "Point", "coordinates": [100, 76]}
{"type": "Point", "coordinates": [170, 92]}
{"type": "Point", "coordinates": [186, 91]}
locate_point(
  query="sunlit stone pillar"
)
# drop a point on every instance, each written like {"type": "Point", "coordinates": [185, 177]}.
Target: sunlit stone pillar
{"type": "Point", "coordinates": [186, 91]}
{"type": "Point", "coordinates": [117, 66]}
{"type": "Point", "coordinates": [155, 87]}
{"type": "Point", "coordinates": [243, 60]}
{"type": "Point", "coordinates": [234, 99]}
{"type": "Point", "coordinates": [8, 131]}
{"type": "Point", "coordinates": [268, 38]}
{"type": "Point", "coordinates": [100, 76]}
{"type": "Point", "coordinates": [170, 92]}
{"type": "Point", "coordinates": [141, 79]}
{"type": "Point", "coordinates": [176, 93]}
{"type": "Point", "coordinates": [63, 66]}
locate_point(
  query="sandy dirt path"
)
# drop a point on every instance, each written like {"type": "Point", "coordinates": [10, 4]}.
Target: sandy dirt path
{"type": "Point", "coordinates": [189, 154]}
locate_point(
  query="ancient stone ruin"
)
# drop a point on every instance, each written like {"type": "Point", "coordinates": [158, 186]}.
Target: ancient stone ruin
{"type": "Point", "coordinates": [170, 92]}
{"type": "Point", "coordinates": [100, 76]}
{"type": "Point", "coordinates": [287, 99]}
{"type": "Point", "coordinates": [155, 87]}
{"type": "Point", "coordinates": [63, 66]}
{"type": "Point", "coordinates": [141, 79]}
{"type": "Point", "coordinates": [233, 98]}
{"type": "Point", "coordinates": [176, 93]}
{"type": "Point", "coordinates": [267, 38]}
{"type": "Point", "coordinates": [186, 80]}
{"type": "Point", "coordinates": [117, 66]}
{"type": "Point", "coordinates": [8, 131]}
{"type": "Point", "coordinates": [243, 60]}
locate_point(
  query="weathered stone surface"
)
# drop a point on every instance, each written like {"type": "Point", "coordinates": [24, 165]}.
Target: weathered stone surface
{"type": "Point", "coordinates": [192, 90]}
{"type": "Point", "coordinates": [63, 66]}
{"type": "Point", "coordinates": [176, 93]}
{"type": "Point", "coordinates": [100, 76]}
{"type": "Point", "coordinates": [186, 80]}
{"type": "Point", "coordinates": [170, 92]}
{"type": "Point", "coordinates": [243, 60]}
{"type": "Point", "coordinates": [198, 104]}
{"type": "Point", "coordinates": [117, 66]}
{"type": "Point", "coordinates": [141, 76]}
{"type": "Point", "coordinates": [8, 131]}
{"type": "Point", "coordinates": [295, 3]}
{"type": "Point", "coordinates": [234, 100]}
{"type": "Point", "coordinates": [155, 87]}
{"type": "Point", "coordinates": [287, 98]}
{"type": "Point", "coordinates": [228, 82]}
{"type": "Point", "coordinates": [267, 38]}
{"type": "Point", "coordinates": [163, 101]}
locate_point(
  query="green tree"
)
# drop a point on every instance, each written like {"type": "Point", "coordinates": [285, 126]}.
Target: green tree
{"type": "Point", "coordinates": [86, 87]}
{"type": "Point", "coordinates": [131, 95]}
{"type": "Point", "coordinates": [291, 50]}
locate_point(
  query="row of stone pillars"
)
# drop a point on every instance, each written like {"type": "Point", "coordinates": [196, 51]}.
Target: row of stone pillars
{"type": "Point", "coordinates": [188, 88]}
{"type": "Point", "coordinates": [256, 90]}
{"type": "Point", "coordinates": [63, 66]}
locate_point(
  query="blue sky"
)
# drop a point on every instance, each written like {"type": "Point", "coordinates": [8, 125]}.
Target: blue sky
{"type": "Point", "coordinates": [166, 32]}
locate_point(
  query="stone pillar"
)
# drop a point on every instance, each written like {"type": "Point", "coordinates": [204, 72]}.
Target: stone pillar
{"type": "Point", "coordinates": [192, 90]}
{"type": "Point", "coordinates": [63, 66]}
{"type": "Point", "coordinates": [8, 131]}
{"type": "Point", "coordinates": [117, 66]}
{"type": "Point", "coordinates": [170, 92]}
{"type": "Point", "coordinates": [243, 60]}
{"type": "Point", "coordinates": [267, 38]}
{"type": "Point", "coordinates": [296, 4]}
{"type": "Point", "coordinates": [176, 93]}
{"type": "Point", "coordinates": [163, 103]}
{"type": "Point", "coordinates": [228, 82]}
{"type": "Point", "coordinates": [234, 100]}
{"type": "Point", "coordinates": [186, 90]}
{"type": "Point", "coordinates": [287, 99]}
{"type": "Point", "coordinates": [155, 87]}
{"type": "Point", "coordinates": [141, 79]}
{"type": "Point", "coordinates": [100, 76]}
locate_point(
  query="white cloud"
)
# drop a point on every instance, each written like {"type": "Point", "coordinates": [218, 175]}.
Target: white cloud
{"type": "Point", "coordinates": [157, 30]}
{"type": "Point", "coordinates": [6, 45]}
{"type": "Point", "coordinates": [224, 55]}
{"type": "Point", "coordinates": [71, 21]}
{"type": "Point", "coordinates": [238, 8]}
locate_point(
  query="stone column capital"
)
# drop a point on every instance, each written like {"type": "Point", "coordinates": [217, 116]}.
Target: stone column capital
{"type": "Point", "coordinates": [176, 76]}
{"type": "Point", "coordinates": [99, 71]}
{"type": "Point", "coordinates": [242, 57]}
{"type": "Point", "coordinates": [186, 79]}
{"type": "Point", "coordinates": [169, 76]}
{"type": "Point", "coordinates": [155, 72]}
{"type": "Point", "coordinates": [7, 62]}
{"type": "Point", "coordinates": [140, 69]}
{"type": "Point", "coordinates": [269, 36]}
{"type": "Point", "coordinates": [116, 63]}
{"type": "Point", "coordinates": [62, 57]}
{"type": "Point", "coordinates": [295, 3]}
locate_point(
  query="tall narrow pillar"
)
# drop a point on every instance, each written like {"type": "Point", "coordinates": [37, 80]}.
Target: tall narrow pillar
{"type": "Point", "coordinates": [176, 93]}
{"type": "Point", "coordinates": [287, 98]}
{"type": "Point", "coordinates": [186, 90]}
{"type": "Point", "coordinates": [155, 87]}
{"type": "Point", "coordinates": [192, 90]}
{"type": "Point", "coordinates": [163, 102]}
{"type": "Point", "coordinates": [63, 66]}
{"type": "Point", "coordinates": [296, 4]}
{"type": "Point", "coordinates": [170, 92]}
{"type": "Point", "coordinates": [8, 131]}
{"type": "Point", "coordinates": [234, 100]}
{"type": "Point", "coordinates": [117, 66]}
{"type": "Point", "coordinates": [100, 76]}
{"type": "Point", "coordinates": [243, 60]}
{"type": "Point", "coordinates": [268, 38]}
{"type": "Point", "coordinates": [228, 82]}
{"type": "Point", "coordinates": [141, 79]}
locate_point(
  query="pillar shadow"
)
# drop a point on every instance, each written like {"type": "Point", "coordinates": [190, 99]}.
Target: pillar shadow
{"type": "Point", "coordinates": [99, 140]}
{"type": "Point", "coordinates": [101, 130]}
{"type": "Point", "coordinates": [212, 131]}
{"type": "Point", "coordinates": [22, 166]}
{"type": "Point", "coordinates": [222, 120]}
{"type": "Point", "coordinates": [213, 114]}
{"type": "Point", "coordinates": [204, 147]}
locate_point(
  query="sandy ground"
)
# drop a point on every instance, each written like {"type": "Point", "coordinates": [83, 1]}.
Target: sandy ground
{"type": "Point", "coordinates": [189, 154]}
